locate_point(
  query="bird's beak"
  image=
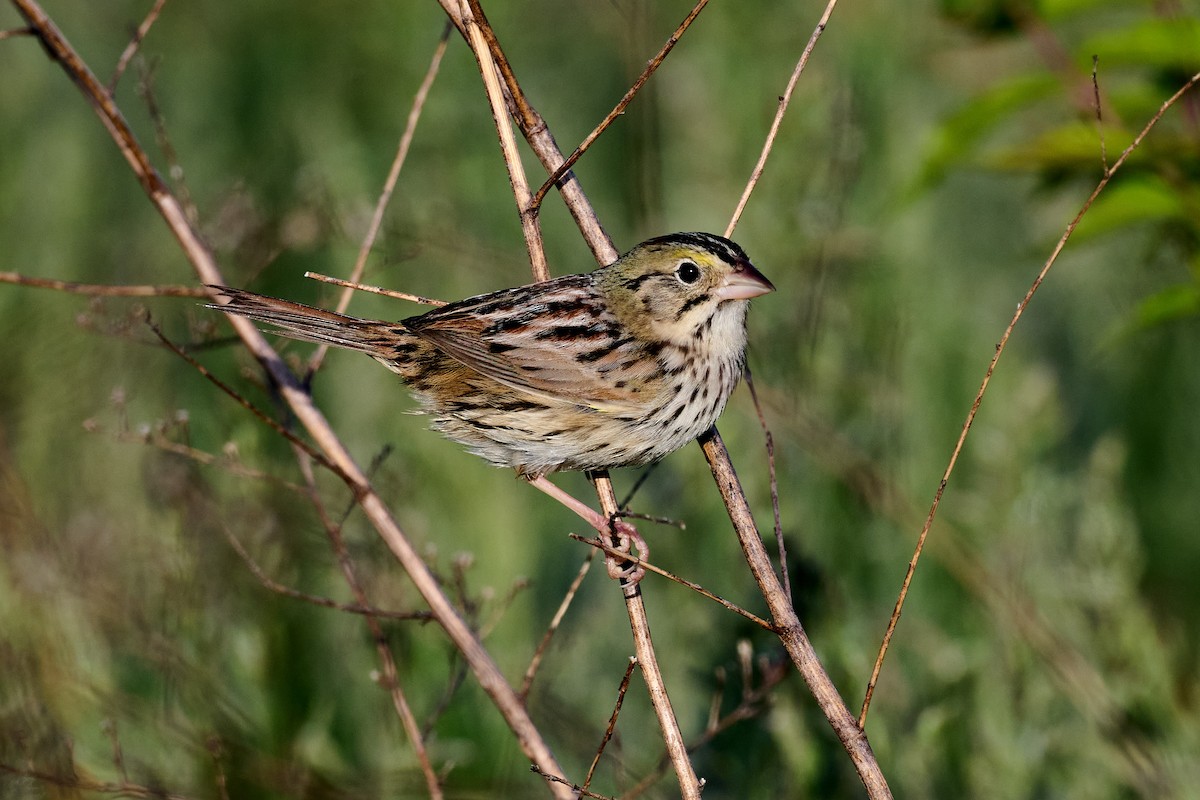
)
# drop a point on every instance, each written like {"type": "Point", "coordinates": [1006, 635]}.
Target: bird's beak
{"type": "Point", "coordinates": [743, 283]}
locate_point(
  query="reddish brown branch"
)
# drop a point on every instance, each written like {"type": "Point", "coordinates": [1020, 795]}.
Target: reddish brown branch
{"type": "Point", "coordinates": [272, 585]}
{"type": "Point", "coordinates": [540, 651]}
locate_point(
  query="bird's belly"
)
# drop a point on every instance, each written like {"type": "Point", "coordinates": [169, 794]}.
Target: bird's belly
{"type": "Point", "coordinates": [534, 435]}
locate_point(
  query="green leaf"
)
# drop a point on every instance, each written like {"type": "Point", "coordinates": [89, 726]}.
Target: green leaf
{"type": "Point", "coordinates": [1170, 304]}
{"type": "Point", "coordinates": [1066, 146]}
{"type": "Point", "coordinates": [1171, 43]}
{"type": "Point", "coordinates": [1126, 202]}
{"type": "Point", "coordinates": [959, 134]}
{"type": "Point", "coordinates": [1056, 10]}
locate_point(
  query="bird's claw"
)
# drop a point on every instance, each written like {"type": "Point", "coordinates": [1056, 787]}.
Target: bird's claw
{"type": "Point", "coordinates": [625, 537]}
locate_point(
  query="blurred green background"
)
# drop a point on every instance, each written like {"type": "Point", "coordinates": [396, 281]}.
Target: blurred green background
{"type": "Point", "coordinates": [932, 156]}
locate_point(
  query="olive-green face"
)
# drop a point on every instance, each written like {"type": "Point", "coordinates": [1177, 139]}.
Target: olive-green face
{"type": "Point", "coordinates": [668, 288]}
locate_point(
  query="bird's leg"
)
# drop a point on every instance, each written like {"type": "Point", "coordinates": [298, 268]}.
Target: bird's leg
{"type": "Point", "coordinates": [623, 534]}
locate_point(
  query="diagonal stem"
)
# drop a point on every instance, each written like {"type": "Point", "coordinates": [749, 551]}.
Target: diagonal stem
{"type": "Point", "coordinates": [784, 99]}
{"type": "Point", "coordinates": [987, 377]}
{"type": "Point", "coordinates": [787, 624]}
{"type": "Point", "coordinates": [473, 19]}
{"type": "Point", "coordinates": [486, 671]}
{"type": "Point", "coordinates": [389, 186]}
{"type": "Point", "coordinates": [619, 109]}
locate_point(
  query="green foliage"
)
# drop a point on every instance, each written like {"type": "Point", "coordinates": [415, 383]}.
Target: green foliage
{"type": "Point", "coordinates": [931, 157]}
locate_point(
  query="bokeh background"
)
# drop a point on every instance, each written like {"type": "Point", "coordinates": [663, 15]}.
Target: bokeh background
{"type": "Point", "coordinates": [933, 154]}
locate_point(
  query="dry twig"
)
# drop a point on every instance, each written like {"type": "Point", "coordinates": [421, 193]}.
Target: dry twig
{"type": "Point", "coordinates": [695, 587]}
{"type": "Point", "coordinates": [362, 287]}
{"type": "Point", "coordinates": [103, 290]}
{"type": "Point", "coordinates": [774, 481]}
{"type": "Point", "coordinates": [385, 196]}
{"type": "Point", "coordinates": [612, 721]}
{"type": "Point", "coordinates": [540, 651]}
{"type": "Point", "coordinates": [476, 24]}
{"type": "Point", "coordinates": [272, 585]}
{"type": "Point", "coordinates": [784, 99]}
{"type": "Point", "coordinates": [300, 402]}
{"type": "Point", "coordinates": [391, 676]}
{"type": "Point", "coordinates": [134, 43]}
{"type": "Point", "coordinates": [619, 108]}
{"type": "Point", "coordinates": [987, 377]}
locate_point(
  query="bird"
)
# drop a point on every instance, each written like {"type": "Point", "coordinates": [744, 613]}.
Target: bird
{"type": "Point", "coordinates": [616, 367]}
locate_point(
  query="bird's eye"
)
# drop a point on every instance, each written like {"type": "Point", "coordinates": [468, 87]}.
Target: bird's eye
{"type": "Point", "coordinates": [687, 272]}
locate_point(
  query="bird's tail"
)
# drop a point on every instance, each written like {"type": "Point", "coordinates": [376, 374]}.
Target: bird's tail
{"type": "Point", "coordinates": [298, 321]}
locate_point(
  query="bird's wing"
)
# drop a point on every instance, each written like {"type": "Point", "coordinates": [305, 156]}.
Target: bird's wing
{"type": "Point", "coordinates": [555, 340]}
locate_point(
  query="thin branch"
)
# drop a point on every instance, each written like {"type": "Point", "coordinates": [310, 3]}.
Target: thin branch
{"type": "Point", "coordinates": [695, 587]}
{"type": "Point", "coordinates": [637, 485]}
{"type": "Point", "coordinates": [987, 377]}
{"type": "Point", "coordinates": [362, 287]}
{"type": "Point", "coordinates": [475, 23]}
{"type": "Point", "coordinates": [612, 721]}
{"type": "Point", "coordinates": [455, 682]}
{"type": "Point", "coordinates": [134, 43]}
{"type": "Point", "coordinates": [576, 790]}
{"type": "Point", "coordinates": [162, 138]}
{"type": "Point", "coordinates": [619, 109]}
{"type": "Point", "coordinates": [787, 624]}
{"type": "Point", "coordinates": [783, 104]}
{"type": "Point", "coordinates": [391, 676]}
{"type": "Point", "coordinates": [770, 442]}
{"type": "Point", "coordinates": [389, 187]}
{"type": "Point", "coordinates": [689, 785]}
{"type": "Point", "coordinates": [158, 439]}
{"type": "Point", "coordinates": [539, 652]}
{"type": "Point", "coordinates": [501, 607]}
{"type": "Point", "coordinates": [272, 585]}
{"type": "Point", "coordinates": [1099, 113]}
{"type": "Point", "coordinates": [537, 134]}
{"type": "Point", "coordinates": [103, 290]}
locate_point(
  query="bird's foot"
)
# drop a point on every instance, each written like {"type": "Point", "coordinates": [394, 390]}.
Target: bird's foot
{"type": "Point", "coordinates": [620, 534]}
{"type": "Point", "coordinates": [625, 537]}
